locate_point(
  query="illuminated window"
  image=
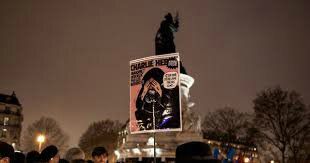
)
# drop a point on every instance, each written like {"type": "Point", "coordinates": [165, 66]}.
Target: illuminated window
{"type": "Point", "coordinates": [4, 133]}
{"type": "Point", "coordinates": [6, 121]}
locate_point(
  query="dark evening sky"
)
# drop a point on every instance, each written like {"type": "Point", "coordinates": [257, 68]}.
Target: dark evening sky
{"type": "Point", "coordinates": [69, 59]}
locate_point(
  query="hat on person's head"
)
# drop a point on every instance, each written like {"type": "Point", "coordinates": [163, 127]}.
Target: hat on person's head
{"type": "Point", "coordinates": [6, 150]}
{"type": "Point", "coordinates": [194, 152]}
{"type": "Point", "coordinates": [63, 161]}
{"type": "Point", "coordinates": [75, 154]}
{"type": "Point", "coordinates": [18, 157]}
{"type": "Point", "coordinates": [99, 151]}
{"type": "Point", "coordinates": [78, 161]}
{"type": "Point", "coordinates": [48, 153]}
{"type": "Point", "coordinates": [33, 157]}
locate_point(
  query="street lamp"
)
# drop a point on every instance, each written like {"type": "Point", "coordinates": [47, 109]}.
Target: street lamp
{"type": "Point", "coordinates": [40, 140]}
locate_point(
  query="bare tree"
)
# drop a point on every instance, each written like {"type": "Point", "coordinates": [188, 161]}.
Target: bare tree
{"type": "Point", "coordinates": [299, 143]}
{"type": "Point", "coordinates": [101, 133]}
{"type": "Point", "coordinates": [227, 122]}
{"type": "Point", "coordinates": [280, 115]}
{"type": "Point", "coordinates": [48, 127]}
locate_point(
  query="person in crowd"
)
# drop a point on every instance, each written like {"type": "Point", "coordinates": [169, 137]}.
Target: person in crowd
{"type": "Point", "coordinates": [50, 155]}
{"type": "Point", "coordinates": [63, 161]}
{"type": "Point", "coordinates": [194, 152]}
{"type": "Point", "coordinates": [75, 155]}
{"type": "Point", "coordinates": [240, 158]}
{"type": "Point", "coordinates": [78, 161]}
{"type": "Point", "coordinates": [19, 157]}
{"type": "Point", "coordinates": [6, 152]}
{"type": "Point", "coordinates": [100, 155]}
{"type": "Point", "coordinates": [33, 157]}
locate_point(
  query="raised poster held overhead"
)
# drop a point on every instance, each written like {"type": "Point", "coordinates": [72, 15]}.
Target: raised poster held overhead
{"type": "Point", "coordinates": [155, 101]}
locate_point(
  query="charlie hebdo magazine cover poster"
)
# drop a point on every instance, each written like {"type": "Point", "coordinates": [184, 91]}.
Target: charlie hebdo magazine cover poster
{"type": "Point", "coordinates": [155, 104]}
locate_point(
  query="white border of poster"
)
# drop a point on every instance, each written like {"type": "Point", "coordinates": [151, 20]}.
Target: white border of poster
{"type": "Point", "coordinates": [155, 94]}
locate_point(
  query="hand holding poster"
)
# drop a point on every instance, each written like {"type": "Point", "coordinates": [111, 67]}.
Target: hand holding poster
{"type": "Point", "coordinates": [155, 94]}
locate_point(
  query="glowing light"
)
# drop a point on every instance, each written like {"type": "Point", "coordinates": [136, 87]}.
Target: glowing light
{"type": "Point", "coordinates": [118, 155]}
{"type": "Point", "coordinates": [150, 141]}
{"type": "Point", "coordinates": [271, 161]}
{"type": "Point", "coordinates": [136, 151]}
{"type": "Point", "coordinates": [246, 159]}
{"type": "Point", "coordinates": [41, 138]}
{"type": "Point", "coordinates": [158, 151]}
{"type": "Point", "coordinates": [150, 151]}
{"type": "Point", "coordinates": [14, 145]}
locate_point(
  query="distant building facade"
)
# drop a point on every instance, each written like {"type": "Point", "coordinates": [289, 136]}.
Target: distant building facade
{"type": "Point", "coordinates": [11, 118]}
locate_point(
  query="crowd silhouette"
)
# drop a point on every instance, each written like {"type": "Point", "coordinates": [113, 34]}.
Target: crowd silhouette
{"type": "Point", "coordinates": [50, 154]}
{"type": "Point", "coordinates": [191, 152]}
